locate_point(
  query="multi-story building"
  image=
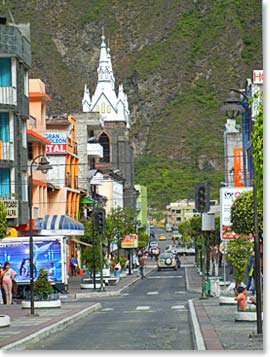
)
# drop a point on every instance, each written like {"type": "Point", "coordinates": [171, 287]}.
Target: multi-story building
{"type": "Point", "coordinates": [181, 211]}
{"type": "Point", "coordinates": [36, 144]}
{"type": "Point", "coordinates": [15, 62]}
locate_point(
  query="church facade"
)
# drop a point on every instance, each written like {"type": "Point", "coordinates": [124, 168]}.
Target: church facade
{"type": "Point", "coordinates": [114, 112]}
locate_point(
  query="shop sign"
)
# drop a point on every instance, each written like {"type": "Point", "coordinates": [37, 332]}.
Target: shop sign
{"type": "Point", "coordinates": [11, 207]}
{"type": "Point", "coordinates": [258, 76]}
{"type": "Point", "coordinates": [58, 143]}
{"type": "Point", "coordinates": [227, 196]}
{"type": "Point", "coordinates": [130, 241]}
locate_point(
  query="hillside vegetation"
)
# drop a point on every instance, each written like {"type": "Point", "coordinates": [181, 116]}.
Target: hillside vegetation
{"type": "Point", "coordinates": [177, 60]}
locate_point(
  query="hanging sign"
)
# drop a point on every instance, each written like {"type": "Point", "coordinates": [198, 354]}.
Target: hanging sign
{"type": "Point", "coordinates": [58, 143]}
{"type": "Point", "coordinates": [130, 241]}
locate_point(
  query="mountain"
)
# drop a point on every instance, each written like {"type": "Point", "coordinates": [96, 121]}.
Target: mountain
{"type": "Point", "coordinates": [177, 60]}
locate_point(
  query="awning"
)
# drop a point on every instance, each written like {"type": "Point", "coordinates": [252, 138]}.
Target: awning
{"type": "Point", "coordinates": [85, 200]}
{"type": "Point", "coordinates": [60, 225]}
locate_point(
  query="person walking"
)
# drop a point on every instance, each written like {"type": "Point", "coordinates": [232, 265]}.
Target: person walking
{"type": "Point", "coordinates": [141, 267]}
{"type": "Point", "coordinates": [73, 265]}
{"type": "Point", "coordinates": [7, 276]}
{"type": "Point", "coordinates": [250, 270]}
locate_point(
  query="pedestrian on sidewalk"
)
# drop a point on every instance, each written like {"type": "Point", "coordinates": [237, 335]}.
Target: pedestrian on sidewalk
{"type": "Point", "coordinates": [250, 269]}
{"type": "Point", "coordinates": [73, 265]}
{"type": "Point", "coordinates": [7, 276]}
{"type": "Point", "coordinates": [2, 291]}
{"type": "Point", "coordinates": [141, 267]}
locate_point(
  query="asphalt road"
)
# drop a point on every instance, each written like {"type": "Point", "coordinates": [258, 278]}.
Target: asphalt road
{"type": "Point", "coordinates": [151, 315]}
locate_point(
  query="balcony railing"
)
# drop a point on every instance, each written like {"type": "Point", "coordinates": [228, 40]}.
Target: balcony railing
{"type": "Point", "coordinates": [8, 95]}
{"type": "Point", "coordinates": [6, 151]}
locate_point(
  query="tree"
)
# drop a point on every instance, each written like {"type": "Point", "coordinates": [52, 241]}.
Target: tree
{"type": "Point", "coordinates": [42, 286]}
{"type": "Point", "coordinates": [257, 149]}
{"type": "Point", "coordinates": [3, 220]}
{"type": "Point", "coordinates": [237, 254]}
{"type": "Point", "coordinates": [242, 214]}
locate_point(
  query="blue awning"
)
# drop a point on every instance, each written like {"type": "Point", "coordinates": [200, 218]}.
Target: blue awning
{"type": "Point", "coordinates": [60, 225]}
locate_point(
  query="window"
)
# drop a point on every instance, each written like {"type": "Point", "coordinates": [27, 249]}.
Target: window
{"type": "Point", "coordinates": [24, 187]}
{"type": "Point", "coordinates": [103, 107]}
{"type": "Point", "coordinates": [97, 108]}
{"type": "Point", "coordinates": [26, 83]}
{"type": "Point", "coordinates": [24, 138]}
{"type": "Point", "coordinates": [105, 143]}
{"type": "Point", "coordinates": [108, 108]}
{"type": "Point", "coordinates": [30, 151]}
{"type": "Point", "coordinates": [4, 127]}
{"type": "Point", "coordinates": [178, 211]}
{"type": "Point", "coordinates": [178, 219]}
{"type": "Point", "coordinates": [5, 182]}
{"type": "Point", "coordinates": [5, 72]}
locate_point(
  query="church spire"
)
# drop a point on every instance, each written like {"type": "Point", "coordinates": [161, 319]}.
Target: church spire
{"type": "Point", "coordinates": [86, 102]}
{"type": "Point", "coordinates": [110, 65]}
{"type": "Point", "coordinates": [103, 67]}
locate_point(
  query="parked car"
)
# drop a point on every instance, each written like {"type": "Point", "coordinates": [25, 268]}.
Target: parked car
{"type": "Point", "coordinates": [166, 261]}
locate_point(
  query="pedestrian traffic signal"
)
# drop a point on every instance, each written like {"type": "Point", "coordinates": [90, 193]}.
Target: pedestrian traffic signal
{"type": "Point", "coordinates": [202, 197]}
{"type": "Point", "coordinates": [99, 220]}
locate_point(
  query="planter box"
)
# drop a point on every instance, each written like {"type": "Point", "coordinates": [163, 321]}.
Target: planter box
{"type": "Point", "coordinates": [246, 316]}
{"type": "Point", "coordinates": [4, 320]}
{"type": "Point", "coordinates": [227, 300]}
{"type": "Point", "coordinates": [46, 304]}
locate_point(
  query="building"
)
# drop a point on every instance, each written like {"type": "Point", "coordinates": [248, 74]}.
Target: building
{"type": "Point", "coordinates": [114, 136]}
{"type": "Point", "coordinates": [15, 62]}
{"type": "Point", "coordinates": [36, 145]}
{"type": "Point", "coordinates": [112, 187]}
{"type": "Point", "coordinates": [141, 206]}
{"type": "Point", "coordinates": [180, 211]}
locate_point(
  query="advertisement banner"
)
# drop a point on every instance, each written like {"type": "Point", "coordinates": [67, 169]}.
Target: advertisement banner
{"type": "Point", "coordinates": [130, 241]}
{"type": "Point", "coordinates": [238, 167]}
{"type": "Point", "coordinates": [58, 143]}
{"type": "Point", "coordinates": [11, 207]}
{"type": "Point", "coordinates": [47, 254]}
{"type": "Point", "coordinates": [227, 196]}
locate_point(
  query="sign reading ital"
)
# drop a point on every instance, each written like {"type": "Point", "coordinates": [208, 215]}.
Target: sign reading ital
{"type": "Point", "coordinates": [130, 241]}
{"type": "Point", "coordinates": [11, 207]}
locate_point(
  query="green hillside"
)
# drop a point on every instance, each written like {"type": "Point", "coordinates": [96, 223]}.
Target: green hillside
{"type": "Point", "coordinates": [177, 60]}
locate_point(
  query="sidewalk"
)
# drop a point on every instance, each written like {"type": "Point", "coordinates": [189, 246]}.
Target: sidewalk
{"type": "Point", "coordinates": [24, 329]}
{"type": "Point", "coordinates": [216, 328]}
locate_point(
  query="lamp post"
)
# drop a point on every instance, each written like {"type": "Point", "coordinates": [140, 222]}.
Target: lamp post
{"type": "Point", "coordinates": [43, 166]}
{"type": "Point", "coordinates": [255, 204]}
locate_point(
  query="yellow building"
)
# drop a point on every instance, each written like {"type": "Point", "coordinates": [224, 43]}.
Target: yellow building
{"type": "Point", "coordinates": [180, 211]}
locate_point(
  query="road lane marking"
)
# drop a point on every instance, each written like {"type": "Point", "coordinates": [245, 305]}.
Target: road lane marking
{"type": "Point", "coordinates": [180, 292]}
{"type": "Point", "coordinates": [153, 293]}
{"type": "Point", "coordinates": [142, 308]}
{"type": "Point", "coordinates": [165, 277]}
{"type": "Point", "coordinates": [107, 309]}
{"type": "Point", "coordinates": [177, 307]}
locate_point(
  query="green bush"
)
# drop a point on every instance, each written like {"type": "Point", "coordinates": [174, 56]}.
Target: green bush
{"type": "Point", "coordinates": [42, 287]}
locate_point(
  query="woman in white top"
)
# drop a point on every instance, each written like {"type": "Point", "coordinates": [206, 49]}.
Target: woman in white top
{"type": "Point", "coordinates": [7, 276]}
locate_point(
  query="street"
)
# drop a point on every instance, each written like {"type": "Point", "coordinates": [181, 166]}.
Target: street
{"type": "Point", "coordinates": [151, 315]}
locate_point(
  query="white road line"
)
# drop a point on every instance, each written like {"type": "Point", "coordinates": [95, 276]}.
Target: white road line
{"type": "Point", "coordinates": [165, 277]}
{"type": "Point", "coordinates": [180, 292]}
{"type": "Point", "coordinates": [153, 293]}
{"type": "Point", "coordinates": [125, 294]}
{"type": "Point", "coordinates": [177, 307]}
{"type": "Point", "coordinates": [107, 309]}
{"type": "Point", "coordinates": [142, 308]}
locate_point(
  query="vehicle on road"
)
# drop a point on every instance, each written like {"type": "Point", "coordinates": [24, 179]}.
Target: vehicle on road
{"type": "Point", "coordinates": [168, 227]}
{"type": "Point", "coordinates": [175, 235]}
{"type": "Point", "coordinates": [183, 249]}
{"type": "Point", "coordinates": [166, 261]}
{"type": "Point", "coordinates": [162, 237]}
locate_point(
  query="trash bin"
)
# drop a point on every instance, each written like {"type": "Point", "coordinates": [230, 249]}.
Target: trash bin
{"type": "Point", "coordinates": [117, 273]}
{"type": "Point", "coordinates": [207, 286]}
{"type": "Point", "coordinates": [214, 287]}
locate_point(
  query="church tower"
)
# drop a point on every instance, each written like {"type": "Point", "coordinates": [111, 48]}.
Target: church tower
{"type": "Point", "coordinates": [114, 111]}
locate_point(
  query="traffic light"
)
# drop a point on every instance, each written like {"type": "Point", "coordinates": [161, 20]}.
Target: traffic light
{"type": "Point", "coordinates": [99, 220]}
{"type": "Point", "coordinates": [202, 197]}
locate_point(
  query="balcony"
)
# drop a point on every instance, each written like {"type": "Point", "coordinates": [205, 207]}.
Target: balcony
{"type": "Point", "coordinates": [6, 151]}
{"type": "Point", "coordinates": [95, 150]}
{"type": "Point", "coordinates": [8, 96]}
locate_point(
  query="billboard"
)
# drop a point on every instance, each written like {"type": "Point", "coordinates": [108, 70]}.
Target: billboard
{"type": "Point", "coordinates": [47, 254]}
{"type": "Point", "coordinates": [238, 167]}
{"type": "Point", "coordinates": [130, 241]}
{"type": "Point", "coordinates": [58, 143]}
{"type": "Point", "coordinates": [227, 196]}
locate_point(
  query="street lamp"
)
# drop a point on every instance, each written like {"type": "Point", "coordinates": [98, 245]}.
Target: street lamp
{"type": "Point", "coordinates": [226, 107]}
{"type": "Point", "coordinates": [43, 166]}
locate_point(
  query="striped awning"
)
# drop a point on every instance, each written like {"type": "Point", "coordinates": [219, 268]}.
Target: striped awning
{"type": "Point", "coordinates": [60, 225]}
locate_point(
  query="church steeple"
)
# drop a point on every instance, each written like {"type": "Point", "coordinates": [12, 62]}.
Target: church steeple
{"type": "Point", "coordinates": [86, 102]}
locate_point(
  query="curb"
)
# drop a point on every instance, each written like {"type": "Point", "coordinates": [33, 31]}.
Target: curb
{"type": "Point", "coordinates": [197, 337]}
{"type": "Point", "coordinates": [47, 331]}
